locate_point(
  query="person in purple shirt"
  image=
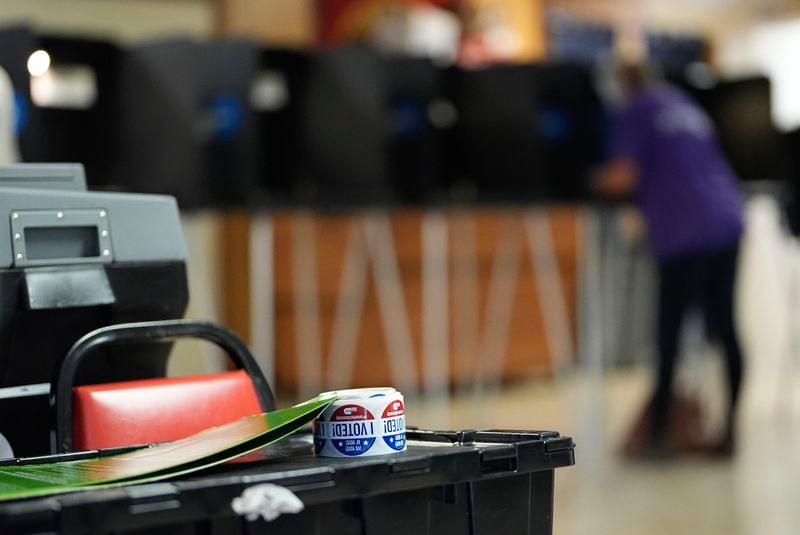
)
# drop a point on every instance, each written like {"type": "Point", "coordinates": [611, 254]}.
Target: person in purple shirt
{"type": "Point", "coordinates": [665, 152]}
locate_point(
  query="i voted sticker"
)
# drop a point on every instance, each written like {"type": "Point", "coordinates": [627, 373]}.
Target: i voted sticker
{"type": "Point", "coordinates": [351, 429]}
{"type": "Point", "coordinates": [363, 421]}
{"type": "Point", "coordinates": [393, 423]}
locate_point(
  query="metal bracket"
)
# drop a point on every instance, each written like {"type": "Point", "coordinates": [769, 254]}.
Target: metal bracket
{"type": "Point", "coordinates": [22, 220]}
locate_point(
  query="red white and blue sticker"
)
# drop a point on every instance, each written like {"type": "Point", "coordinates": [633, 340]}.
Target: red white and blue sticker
{"type": "Point", "coordinates": [393, 425]}
{"type": "Point", "coordinates": [352, 429]}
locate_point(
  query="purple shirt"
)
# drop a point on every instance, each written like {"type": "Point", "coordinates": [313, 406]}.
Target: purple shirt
{"type": "Point", "coordinates": [687, 191]}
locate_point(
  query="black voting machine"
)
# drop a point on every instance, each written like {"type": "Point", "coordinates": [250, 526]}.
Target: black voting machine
{"type": "Point", "coordinates": [72, 261]}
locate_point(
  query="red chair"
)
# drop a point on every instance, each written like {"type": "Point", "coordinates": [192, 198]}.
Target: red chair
{"type": "Point", "coordinates": [154, 410]}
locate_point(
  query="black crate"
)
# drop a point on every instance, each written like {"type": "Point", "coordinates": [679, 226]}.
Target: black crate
{"type": "Point", "coordinates": [468, 482]}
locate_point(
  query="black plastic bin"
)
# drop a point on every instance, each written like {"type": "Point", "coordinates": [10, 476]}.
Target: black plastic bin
{"type": "Point", "coordinates": [466, 483]}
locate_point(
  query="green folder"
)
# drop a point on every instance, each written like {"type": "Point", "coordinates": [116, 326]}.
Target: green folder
{"type": "Point", "coordinates": [207, 448]}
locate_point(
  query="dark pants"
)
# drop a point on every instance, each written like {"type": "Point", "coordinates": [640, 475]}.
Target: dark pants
{"type": "Point", "coordinates": [704, 280]}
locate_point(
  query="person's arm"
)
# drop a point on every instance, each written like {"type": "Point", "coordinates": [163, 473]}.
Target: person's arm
{"type": "Point", "coordinates": [619, 177]}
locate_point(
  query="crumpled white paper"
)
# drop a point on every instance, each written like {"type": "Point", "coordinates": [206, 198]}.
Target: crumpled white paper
{"type": "Point", "coordinates": [267, 501]}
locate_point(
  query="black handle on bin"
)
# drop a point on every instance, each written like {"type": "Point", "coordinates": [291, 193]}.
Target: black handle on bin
{"type": "Point", "coordinates": [149, 331]}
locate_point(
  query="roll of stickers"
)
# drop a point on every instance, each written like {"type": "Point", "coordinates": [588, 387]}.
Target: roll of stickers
{"type": "Point", "coordinates": [361, 422]}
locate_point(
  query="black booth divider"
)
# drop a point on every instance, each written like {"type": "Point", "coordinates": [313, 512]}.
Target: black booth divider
{"type": "Point", "coordinates": [16, 46]}
{"type": "Point", "coordinates": [281, 174]}
{"type": "Point", "coordinates": [497, 133]}
{"type": "Point", "coordinates": [741, 111]}
{"type": "Point", "coordinates": [422, 120]}
{"type": "Point", "coordinates": [186, 125]}
{"type": "Point", "coordinates": [345, 128]}
{"type": "Point", "coordinates": [791, 143]}
{"type": "Point", "coordinates": [159, 125]}
{"type": "Point", "coordinates": [227, 123]}
{"type": "Point", "coordinates": [529, 133]}
{"type": "Point", "coordinates": [84, 135]}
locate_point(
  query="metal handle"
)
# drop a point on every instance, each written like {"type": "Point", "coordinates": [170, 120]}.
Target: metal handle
{"type": "Point", "coordinates": [149, 331]}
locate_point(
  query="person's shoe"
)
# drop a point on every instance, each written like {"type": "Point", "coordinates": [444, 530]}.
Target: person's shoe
{"type": "Point", "coordinates": [722, 449]}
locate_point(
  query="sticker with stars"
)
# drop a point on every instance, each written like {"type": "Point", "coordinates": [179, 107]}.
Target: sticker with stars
{"type": "Point", "coordinates": [352, 429]}
{"type": "Point", "coordinates": [393, 425]}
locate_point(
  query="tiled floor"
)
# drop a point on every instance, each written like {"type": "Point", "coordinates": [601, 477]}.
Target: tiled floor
{"type": "Point", "coordinates": [755, 493]}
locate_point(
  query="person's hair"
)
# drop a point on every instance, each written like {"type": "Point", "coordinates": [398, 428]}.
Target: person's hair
{"type": "Point", "coordinates": [635, 77]}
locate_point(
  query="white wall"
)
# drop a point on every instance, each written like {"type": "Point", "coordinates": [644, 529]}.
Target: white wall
{"type": "Point", "coordinates": [121, 20]}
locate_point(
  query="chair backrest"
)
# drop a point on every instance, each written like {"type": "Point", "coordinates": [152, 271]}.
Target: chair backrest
{"type": "Point", "coordinates": [158, 410]}
{"type": "Point", "coordinates": [154, 410]}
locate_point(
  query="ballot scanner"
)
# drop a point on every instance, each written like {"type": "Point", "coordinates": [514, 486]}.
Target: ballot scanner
{"type": "Point", "coordinates": [72, 261]}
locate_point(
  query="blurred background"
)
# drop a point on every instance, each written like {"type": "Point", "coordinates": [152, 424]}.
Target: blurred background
{"type": "Point", "coordinates": [401, 192]}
